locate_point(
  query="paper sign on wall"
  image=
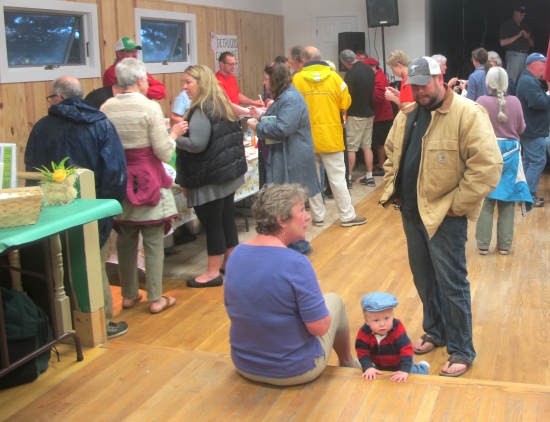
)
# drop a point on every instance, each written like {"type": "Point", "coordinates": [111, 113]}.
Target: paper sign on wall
{"type": "Point", "coordinates": [221, 44]}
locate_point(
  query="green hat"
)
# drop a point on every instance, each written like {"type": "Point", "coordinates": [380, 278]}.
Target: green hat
{"type": "Point", "coordinates": [126, 44]}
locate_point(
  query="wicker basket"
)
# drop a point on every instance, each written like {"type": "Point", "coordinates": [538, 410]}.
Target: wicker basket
{"type": "Point", "coordinates": [21, 210]}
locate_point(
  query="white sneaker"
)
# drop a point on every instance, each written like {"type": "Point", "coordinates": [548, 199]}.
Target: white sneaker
{"type": "Point", "coordinates": [423, 362]}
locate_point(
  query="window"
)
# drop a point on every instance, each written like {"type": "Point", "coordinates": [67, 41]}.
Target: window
{"type": "Point", "coordinates": [46, 39]}
{"type": "Point", "coordinates": [168, 40]}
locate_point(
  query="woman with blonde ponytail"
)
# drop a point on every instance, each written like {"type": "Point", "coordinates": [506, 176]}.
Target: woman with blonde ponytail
{"type": "Point", "coordinates": [506, 116]}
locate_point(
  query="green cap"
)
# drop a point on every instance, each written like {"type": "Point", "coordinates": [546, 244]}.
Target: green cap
{"type": "Point", "coordinates": [126, 44]}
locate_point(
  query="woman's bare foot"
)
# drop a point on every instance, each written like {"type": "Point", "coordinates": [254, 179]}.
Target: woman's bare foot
{"type": "Point", "coordinates": [207, 276]}
{"type": "Point", "coordinates": [454, 368]}
{"type": "Point", "coordinates": [128, 302]}
{"type": "Point", "coordinates": [162, 304]}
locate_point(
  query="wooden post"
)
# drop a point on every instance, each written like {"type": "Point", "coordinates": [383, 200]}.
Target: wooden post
{"type": "Point", "coordinates": [62, 302]}
{"type": "Point", "coordinates": [15, 261]}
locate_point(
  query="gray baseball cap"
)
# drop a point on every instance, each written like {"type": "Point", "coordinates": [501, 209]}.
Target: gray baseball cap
{"type": "Point", "coordinates": [421, 71]}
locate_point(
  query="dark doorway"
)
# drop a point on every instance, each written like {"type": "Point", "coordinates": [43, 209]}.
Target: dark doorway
{"type": "Point", "coordinates": [460, 26]}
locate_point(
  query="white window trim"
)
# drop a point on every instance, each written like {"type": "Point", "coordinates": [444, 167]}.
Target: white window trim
{"type": "Point", "coordinates": [189, 19]}
{"type": "Point", "coordinates": [92, 66]}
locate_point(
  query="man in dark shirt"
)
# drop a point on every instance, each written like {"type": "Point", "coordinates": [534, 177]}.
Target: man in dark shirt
{"type": "Point", "coordinates": [359, 117]}
{"type": "Point", "coordinates": [98, 96]}
{"type": "Point", "coordinates": [443, 159]}
{"type": "Point", "coordinates": [516, 37]}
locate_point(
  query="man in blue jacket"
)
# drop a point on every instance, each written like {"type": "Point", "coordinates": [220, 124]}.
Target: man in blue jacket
{"type": "Point", "coordinates": [74, 128]}
{"type": "Point", "coordinates": [536, 112]}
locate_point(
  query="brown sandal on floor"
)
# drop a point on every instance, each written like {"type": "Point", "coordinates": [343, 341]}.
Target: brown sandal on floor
{"type": "Point", "coordinates": [452, 360]}
{"type": "Point", "coordinates": [426, 338]}
{"type": "Point", "coordinates": [169, 302]}
{"type": "Point", "coordinates": [136, 298]}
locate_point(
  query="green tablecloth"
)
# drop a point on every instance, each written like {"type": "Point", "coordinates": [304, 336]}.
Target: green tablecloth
{"type": "Point", "coordinates": [55, 219]}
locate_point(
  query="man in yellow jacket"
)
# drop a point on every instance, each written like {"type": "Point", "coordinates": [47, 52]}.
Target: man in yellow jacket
{"type": "Point", "coordinates": [443, 159]}
{"type": "Point", "coordinates": [326, 96]}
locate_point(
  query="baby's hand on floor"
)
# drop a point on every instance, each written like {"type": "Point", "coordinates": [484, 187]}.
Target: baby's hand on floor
{"type": "Point", "coordinates": [399, 376]}
{"type": "Point", "coordinates": [370, 374]}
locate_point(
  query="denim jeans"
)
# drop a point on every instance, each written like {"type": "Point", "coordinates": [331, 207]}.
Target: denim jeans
{"type": "Point", "coordinates": [534, 160]}
{"type": "Point", "coordinates": [439, 271]}
{"type": "Point", "coordinates": [515, 63]}
{"type": "Point", "coordinates": [301, 246]}
{"type": "Point", "coordinates": [419, 369]}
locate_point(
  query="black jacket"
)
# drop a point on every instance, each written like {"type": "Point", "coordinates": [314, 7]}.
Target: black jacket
{"type": "Point", "coordinates": [75, 129]}
{"type": "Point", "coordinates": [223, 159]}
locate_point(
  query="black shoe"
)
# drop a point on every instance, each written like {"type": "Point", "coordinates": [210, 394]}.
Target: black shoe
{"type": "Point", "coordinates": [350, 186]}
{"type": "Point", "coordinates": [116, 329]}
{"type": "Point", "coordinates": [368, 182]}
{"type": "Point", "coordinates": [378, 172]}
{"type": "Point", "coordinates": [538, 202]}
{"type": "Point", "coordinates": [215, 282]}
{"type": "Point", "coordinates": [328, 194]}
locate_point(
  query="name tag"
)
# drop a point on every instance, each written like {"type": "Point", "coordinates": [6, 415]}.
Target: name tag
{"type": "Point", "coordinates": [442, 158]}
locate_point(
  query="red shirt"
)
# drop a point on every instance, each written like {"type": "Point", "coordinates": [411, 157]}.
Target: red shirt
{"type": "Point", "coordinates": [405, 95]}
{"type": "Point", "coordinates": [382, 107]}
{"type": "Point", "coordinates": [230, 86]}
{"type": "Point", "coordinates": [156, 89]}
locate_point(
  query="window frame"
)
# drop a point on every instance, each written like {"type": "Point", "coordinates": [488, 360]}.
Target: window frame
{"type": "Point", "coordinates": [191, 32]}
{"type": "Point", "coordinates": [92, 64]}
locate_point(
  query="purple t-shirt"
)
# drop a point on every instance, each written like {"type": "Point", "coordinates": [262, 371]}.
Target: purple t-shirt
{"type": "Point", "coordinates": [269, 293]}
{"type": "Point", "coordinates": [514, 126]}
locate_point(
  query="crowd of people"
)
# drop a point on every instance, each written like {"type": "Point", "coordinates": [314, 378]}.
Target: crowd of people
{"type": "Point", "coordinates": [448, 153]}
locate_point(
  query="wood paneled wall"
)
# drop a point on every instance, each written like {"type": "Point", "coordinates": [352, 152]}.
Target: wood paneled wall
{"type": "Point", "coordinates": [260, 40]}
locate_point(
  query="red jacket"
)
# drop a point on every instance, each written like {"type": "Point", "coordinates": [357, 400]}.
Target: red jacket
{"type": "Point", "coordinates": [156, 89]}
{"type": "Point", "coordinates": [382, 107]}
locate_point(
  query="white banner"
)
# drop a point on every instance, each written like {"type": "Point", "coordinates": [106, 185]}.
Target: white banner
{"type": "Point", "coordinates": [222, 43]}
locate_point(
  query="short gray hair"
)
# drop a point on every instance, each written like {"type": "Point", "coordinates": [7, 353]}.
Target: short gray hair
{"type": "Point", "coordinates": [439, 58]}
{"type": "Point", "coordinates": [347, 56]}
{"type": "Point", "coordinates": [67, 87]}
{"type": "Point", "coordinates": [494, 57]}
{"type": "Point", "coordinates": [276, 200]}
{"type": "Point", "coordinates": [310, 53]}
{"type": "Point", "coordinates": [128, 71]}
{"type": "Point", "coordinates": [295, 53]}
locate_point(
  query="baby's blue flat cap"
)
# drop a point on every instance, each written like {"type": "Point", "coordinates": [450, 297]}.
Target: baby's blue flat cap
{"type": "Point", "coordinates": [378, 302]}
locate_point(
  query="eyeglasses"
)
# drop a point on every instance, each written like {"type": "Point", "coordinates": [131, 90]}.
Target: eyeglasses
{"type": "Point", "coordinates": [49, 97]}
{"type": "Point", "coordinates": [231, 64]}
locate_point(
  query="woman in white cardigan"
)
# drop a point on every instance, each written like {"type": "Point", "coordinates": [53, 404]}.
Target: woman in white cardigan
{"type": "Point", "coordinates": [149, 206]}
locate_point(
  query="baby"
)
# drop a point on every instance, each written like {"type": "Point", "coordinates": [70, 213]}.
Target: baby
{"type": "Point", "coordinates": [382, 342]}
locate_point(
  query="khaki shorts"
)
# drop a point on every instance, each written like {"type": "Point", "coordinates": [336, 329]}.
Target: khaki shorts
{"type": "Point", "coordinates": [358, 132]}
{"type": "Point", "coordinates": [338, 323]}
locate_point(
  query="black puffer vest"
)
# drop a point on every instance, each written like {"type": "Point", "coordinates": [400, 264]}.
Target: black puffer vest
{"type": "Point", "coordinates": [223, 159]}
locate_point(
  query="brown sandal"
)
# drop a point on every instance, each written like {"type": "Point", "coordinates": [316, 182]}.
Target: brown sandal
{"type": "Point", "coordinates": [169, 302]}
{"type": "Point", "coordinates": [426, 338]}
{"type": "Point", "coordinates": [452, 360]}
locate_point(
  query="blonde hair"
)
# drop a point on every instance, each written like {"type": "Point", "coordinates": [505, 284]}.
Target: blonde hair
{"type": "Point", "coordinates": [331, 65]}
{"type": "Point", "coordinates": [398, 56]}
{"type": "Point", "coordinates": [210, 94]}
{"type": "Point", "coordinates": [497, 83]}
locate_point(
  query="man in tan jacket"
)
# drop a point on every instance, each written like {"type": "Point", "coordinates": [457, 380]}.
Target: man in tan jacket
{"type": "Point", "coordinates": [443, 159]}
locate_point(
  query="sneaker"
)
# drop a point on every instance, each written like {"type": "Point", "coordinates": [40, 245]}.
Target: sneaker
{"type": "Point", "coordinates": [503, 251]}
{"type": "Point", "coordinates": [350, 186]}
{"type": "Point", "coordinates": [369, 182]}
{"type": "Point", "coordinates": [116, 329]}
{"type": "Point", "coordinates": [318, 223]}
{"type": "Point", "coordinates": [482, 251]}
{"type": "Point", "coordinates": [423, 362]}
{"type": "Point", "coordinates": [378, 172]}
{"type": "Point", "coordinates": [538, 202]}
{"type": "Point", "coordinates": [357, 221]}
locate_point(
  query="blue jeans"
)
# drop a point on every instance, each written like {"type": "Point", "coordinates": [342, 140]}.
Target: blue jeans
{"type": "Point", "coordinates": [439, 271]}
{"type": "Point", "coordinates": [301, 246]}
{"type": "Point", "coordinates": [419, 369]}
{"type": "Point", "coordinates": [534, 160]}
{"type": "Point", "coordinates": [515, 63]}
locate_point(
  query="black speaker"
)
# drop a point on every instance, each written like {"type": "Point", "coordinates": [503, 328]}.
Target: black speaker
{"type": "Point", "coordinates": [350, 41]}
{"type": "Point", "coordinates": [382, 13]}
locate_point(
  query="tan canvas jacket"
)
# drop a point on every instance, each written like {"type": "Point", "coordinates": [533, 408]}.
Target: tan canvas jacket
{"type": "Point", "coordinates": [460, 164]}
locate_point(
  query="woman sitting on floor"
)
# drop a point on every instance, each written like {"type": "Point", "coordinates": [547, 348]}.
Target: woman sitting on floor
{"type": "Point", "coordinates": [283, 329]}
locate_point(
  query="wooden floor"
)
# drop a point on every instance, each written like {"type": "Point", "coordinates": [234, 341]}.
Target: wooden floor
{"type": "Point", "coordinates": [175, 365]}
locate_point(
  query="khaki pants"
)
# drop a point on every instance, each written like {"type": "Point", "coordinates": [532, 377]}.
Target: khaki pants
{"type": "Point", "coordinates": [339, 323]}
{"type": "Point", "coordinates": [127, 248]}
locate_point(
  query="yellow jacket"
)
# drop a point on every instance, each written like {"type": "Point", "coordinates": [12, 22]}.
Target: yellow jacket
{"type": "Point", "coordinates": [460, 164]}
{"type": "Point", "coordinates": [326, 94]}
